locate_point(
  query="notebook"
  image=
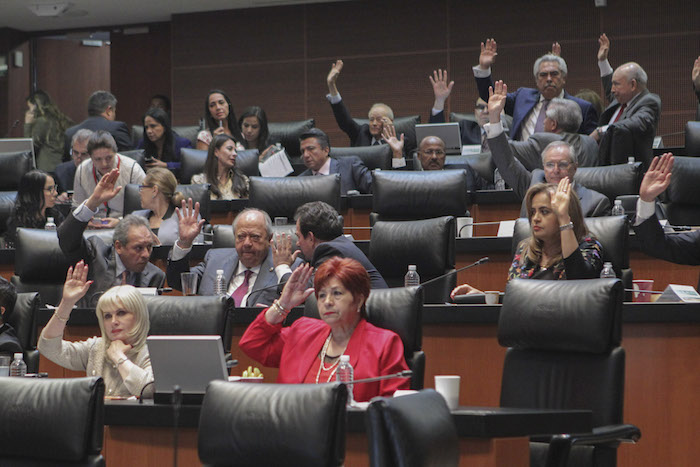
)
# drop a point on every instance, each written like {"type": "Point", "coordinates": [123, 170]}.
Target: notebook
{"type": "Point", "coordinates": [448, 132]}
{"type": "Point", "coordinates": [190, 362]}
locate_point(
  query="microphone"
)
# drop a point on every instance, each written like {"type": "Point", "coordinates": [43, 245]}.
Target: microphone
{"type": "Point", "coordinates": [483, 260]}
{"type": "Point", "coordinates": [400, 374]}
{"type": "Point", "coordinates": [177, 403]}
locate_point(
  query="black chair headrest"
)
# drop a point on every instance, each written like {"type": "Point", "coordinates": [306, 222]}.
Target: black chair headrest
{"type": "Point", "coordinates": [692, 139]}
{"type": "Point", "coordinates": [567, 315]}
{"type": "Point", "coordinates": [38, 256]}
{"type": "Point", "coordinates": [7, 204]}
{"type": "Point", "coordinates": [280, 197]}
{"type": "Point", "coordinates": [137, 155]}
{"type": "Point", "coordinates": [23, 318]}
{"type": "Point", "coordinates": [200, 315]}
{"type": "Point", "coordinates": [611, 180]}
{"type": "Point", "coordinates": [192, 163]}
{"type": "Point", "coordinates": [247, 160]}
{"type": "Point", "coordinates": [400, 310]}
{"type": "Point", "coordinates": [12, 166]}
{"type": "Point", "coordinates": [373, 157]}
{"type": "Point", "coordinates": [287, 133]}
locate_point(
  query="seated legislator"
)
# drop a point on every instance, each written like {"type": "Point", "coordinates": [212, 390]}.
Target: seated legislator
{"type": "Point", "coordinates": [160, 144]}
{"type": "Point", "coordinates": [125, 261]}
{"type": "Point", "coordinates": [320, 236]}
{"type": "Point", "coordinates": [248, 269]}
{"type": "Point", "coordinates": [220, 171]}
{"type": "Point", "coordinates": [9, 342]}
{"type": "Point", "coordinates": [102, 116]}
{"type": "Point", "coordinates": [528, 106]}
{"type": "Point", "coordinates": [255, 131]}
{"type": "Point", "coordinates": [558, 159]}
{"type": "Point", "coordinates": [315, 149]}
{"type": "Point", "coordinates": [309, 350]}
{"type": "Point", "coordinates": [560, 246]}
{"type": "Point", "coordinates": [65, 171]}
{"type": "Point", "coordinates": [159, 200]}
{"type": "Point", "coordinates": [120, 355]}
{"type": "Point", "coordinates": [219, 119]}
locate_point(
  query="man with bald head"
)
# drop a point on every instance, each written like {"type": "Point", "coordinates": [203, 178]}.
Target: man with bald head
{"type": "Point", "coordinates": [628, 125]}
{"type": "Point", "coordinates": [431, 154]}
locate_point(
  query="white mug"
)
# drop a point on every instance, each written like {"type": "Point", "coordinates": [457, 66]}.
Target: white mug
{"type": "Point", "coordinates": [448, 387]}
{"type": "Point", "coordinates": [465, 226]}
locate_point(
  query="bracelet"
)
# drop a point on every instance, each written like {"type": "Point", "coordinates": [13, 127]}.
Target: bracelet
{"type": "Point", "coordinates": [121, 360]}
{"type": "Point", "coordinates": [569, 226]}
{"type": "Point", "coordinates": [279, 309]}
{"type": "Point", "coordinates": [60, 318]}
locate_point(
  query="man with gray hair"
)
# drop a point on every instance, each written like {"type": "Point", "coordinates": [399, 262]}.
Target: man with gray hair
{"type": "Point", "coordinates": [628, 125]}
{"type": "Point", "coordinates": [65, 171]}
{"type": "Point", "coordinates": [102, 112]}
{"type": "Point", "coordinates": [558, 161]}
{"type": "Point", "coordinates": [125, 260]}
{"type": "Point", "coordinates": [528, 106]}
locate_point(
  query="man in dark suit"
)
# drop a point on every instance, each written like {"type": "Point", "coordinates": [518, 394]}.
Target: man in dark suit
{"type": "Point", "coordinates": [528, 106]}
{"type": "Point", "coordinates": [102, 112]}
{"type": "Point", "coordinates": [9, 342]}
{"type": "Point", "coordinates": [315, 152]}
{"type": "Point", "coordinates": [248, 269]}
{"type": "Point", "coordinates": [65, 171]}
{"type": "Point", "coordinates": [320, 236]}
{"type": "Point", "coordinates": [125, 261]}
{"type": "Point", "coordinates": [558, 159]}
{"type": "Point", "coordinates": [628, 125]}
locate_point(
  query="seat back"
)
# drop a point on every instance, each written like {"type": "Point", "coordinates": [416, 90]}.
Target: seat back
{"type": "Point", "coordinates": [414, 430]}
{"type": "Point", "coordinates": [563, 339]}
{"type": "Point", "coordinates": [373, 157]}
{"type": "Point", "coordinates": [40, 265]}
{"type": "Point", "coordinates": [287, 134]}
{"type": "Point", "coordinates": [280, 197]}
{"type": "Point", "coordinates": [7, 204]}
{"type": "Point", "coordinates": [273, 424]}
{"type": "Point", "coordinates": [24, 321]}
{"type": "Point", "coordinates": [427, 243]}
{"type": "Point", "coordinates": [12, 166]}
{"type": "Point", "coordinates": [247, 161]}
{"type": "Point", "coordinates": [692, 139]}
{"type": "Point", "coordinates": [683, 202]}
{"type": "Point", "coordinates": [191, 163]}
{"type": "Point", "coordinates": [402, 195]}
{"type": "Point", "coordinates": [611, 180]}
{"type": "Point", "coordinates": [198, 192]}
{"type": "Point", "coordinates": [405, 125]}
{"type": "Point", "coordinates": [137, 155]}
{"type": "Point", "coordinates": [52, 421]}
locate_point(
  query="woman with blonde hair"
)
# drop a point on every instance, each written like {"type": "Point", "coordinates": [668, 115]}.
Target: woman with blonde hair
{"type": "Point", "coordinates": [119, 355]}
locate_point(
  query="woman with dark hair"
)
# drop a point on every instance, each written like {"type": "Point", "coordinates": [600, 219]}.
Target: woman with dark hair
{"type": "Point", "coordinates": [36, 198]}
{"type": "Point", "coordinates": [219, 119]}
{"type": "Point", "coordinates": [160, 145]}
{"type": "Point", "coordinates": [46, 125]}
{"type": "Point", "coordinates": [309, 350]}
{"type": "Point", "coordinates": [256, 134]}
{"type": "Point", "coordinates": [560, 246]}
{"type": "Point", "coordinates": [220, 171]}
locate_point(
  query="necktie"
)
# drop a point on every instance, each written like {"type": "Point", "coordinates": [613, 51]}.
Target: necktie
{"type": "Point", "coordinates": [619, 114]}
{"type": "Point", "coordinates": [484, 142]}
{"type": "Point", "coordinates": [242, 289]}
{"type": "Point", "coordinates": [124, 276]}
{"type": "Point", "coordinates": [539, 126]}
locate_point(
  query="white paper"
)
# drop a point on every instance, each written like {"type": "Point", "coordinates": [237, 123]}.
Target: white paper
{"type": "Point", "coordinates": [468, 149]}
{"type": "Point", "coordinates": [277, 165]}
{"type": "Point", "coordinates": [506, 228]}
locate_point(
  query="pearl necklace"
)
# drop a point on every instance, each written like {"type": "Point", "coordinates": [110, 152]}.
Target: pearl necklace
{"type": "Point", "coordinates": [333, 367]}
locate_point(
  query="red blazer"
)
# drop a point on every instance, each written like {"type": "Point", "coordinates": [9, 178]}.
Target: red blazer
{"type": "Point", "coordinates": [373, 352]}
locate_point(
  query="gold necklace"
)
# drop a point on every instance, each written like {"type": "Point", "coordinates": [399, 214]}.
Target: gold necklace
{"type": "Point", "coordinates": [333, 367]}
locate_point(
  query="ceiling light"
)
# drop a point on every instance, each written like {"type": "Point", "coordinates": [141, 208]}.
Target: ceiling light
{"type": "Point", "coordinates": [49, 9]}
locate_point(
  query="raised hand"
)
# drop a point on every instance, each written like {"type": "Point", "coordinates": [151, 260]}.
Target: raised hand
{"type": "Point", "coordinates": [488, 54]}
{"type": "Point", "coordinates": [657, 178]}
{"type": "Point", "coordinates": [604, 48]}
{"type": "Point", "coordinates": [556, 49]}
{"type": "Point", "coordinates": [441, 88]}
{"type": "Point", "coordinates": [464, 289]}
{"type": "Point", "coordinates": [296, 289]}
{"type": "Point", "coordinates": [560, 201]}
{"type": "Point", "coordinates": [76, 285]}
{"type": "Point", "coordinates": [189, 224]}
{"type": "Point", "coordinates": [332, 77]}
{"type": "Point", "coordinates": [695, 74]}
{"type": "Point", "coordinates": [389, 135]}
{"type": "Point", "coordinates": [105, 190]}
{"type": "Point", "coordinates": [282, 252]}
{"type": "Point", "coordinates": [497, 101]}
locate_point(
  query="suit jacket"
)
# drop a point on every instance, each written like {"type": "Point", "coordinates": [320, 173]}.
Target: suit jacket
{"type": "Point", "coordinates": [593, 204]}
{"type": "Point", "coordinates": [633, 134]}
{"type": "Point", "coordinates": [359, 134]}
{"type": "Point", "coordinates": [101, 258]}
{"type": "Point", "coordinates": [354, 175]}
{"type": "Point", "coordinates": [345, 248]}
{"type": "Point", "coordinates": [521, 102]}
{"type": "Point", "coordinates": [9, 343]}
{"type": "Point", "coordinates": [226, 259]}
{"type": "Point", "coordinates": [469, 130]}
{"type": "Point", "coordinates": [294, 350]}
{"type": "Point", "coordinates": [118, 130]}
{"type": "Point", "coordinates": [65, 174]}
{"type": "Point", "coordinates": [529, 152]}
{"type": "Point", "coordinates": [679, 248]}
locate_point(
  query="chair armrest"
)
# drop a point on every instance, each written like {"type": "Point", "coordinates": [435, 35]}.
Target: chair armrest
{"type": "Point", "coordinates": [609, 435]}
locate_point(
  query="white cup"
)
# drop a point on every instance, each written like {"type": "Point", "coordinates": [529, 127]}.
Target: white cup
{"type": "Point", "coordinates": [465, 226]}
{"type": "Point", "coordinates": [448, 387]}
{"type": "Point", "coordinates": [491, 297]}
{"type": "Point", "coordinates": [4, 366]}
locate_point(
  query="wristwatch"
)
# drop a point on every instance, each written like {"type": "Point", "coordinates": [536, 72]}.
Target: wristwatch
{"type": "Point", "coordinates": [569, 226]}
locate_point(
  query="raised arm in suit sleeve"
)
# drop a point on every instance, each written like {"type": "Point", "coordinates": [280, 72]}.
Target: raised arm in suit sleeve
{"type": "Point", "coordinates": [345, 121]}
{"type": "Point", "coordinates": [71, 241]}
{"type": "Point", "coordinates": [590, 121]}
{"type": "Point", "coordinates": [681, 248]}
{"type": "Point", "coordinates": [512, 171]}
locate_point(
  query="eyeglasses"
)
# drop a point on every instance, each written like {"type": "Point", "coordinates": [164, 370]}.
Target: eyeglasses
{"type": "Point", "coordinates": [480, 106]}
{"type": "Point", "coordinates": [141, 187]}
{"type": "Point", "coordinates": [51, 189]}
{"type": "Point", "coordinates": [563, 165]}
{"type": "Point", "coordinates": [78, 154]}
{"type": "Point", "coordinates": [434, 152]}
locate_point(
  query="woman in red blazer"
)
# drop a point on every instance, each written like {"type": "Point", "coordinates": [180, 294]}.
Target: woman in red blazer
{"type": "Point", "coordinates": [309, 350]}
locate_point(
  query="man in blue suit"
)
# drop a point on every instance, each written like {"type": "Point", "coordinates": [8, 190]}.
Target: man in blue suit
{"type": "Point", "coordinates": [315, 152]}
{"type": "Point", "coordinates": [528, 106]}
{"type": "Point", "coordinates": [102, 114]}
{"type": "Point", "coordinates": [248, 269]}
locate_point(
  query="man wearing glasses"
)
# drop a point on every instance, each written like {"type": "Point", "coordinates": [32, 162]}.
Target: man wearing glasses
{"type": "Point", "coordinates": [65, 171]}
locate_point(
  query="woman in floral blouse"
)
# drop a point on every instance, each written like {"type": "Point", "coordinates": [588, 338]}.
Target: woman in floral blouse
{"type": "Point", "coordinates": [560, 246]}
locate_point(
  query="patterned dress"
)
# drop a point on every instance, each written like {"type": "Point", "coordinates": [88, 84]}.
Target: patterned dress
{"type": "Point", "coordinates": [584, 263]}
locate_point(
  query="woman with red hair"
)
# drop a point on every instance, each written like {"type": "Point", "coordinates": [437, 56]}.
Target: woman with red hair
{"type": "Point", "coordinates": [309, 350]}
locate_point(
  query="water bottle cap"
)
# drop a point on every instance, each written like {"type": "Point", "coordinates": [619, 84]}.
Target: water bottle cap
{"type": "Point", "coordinates": [607, 264]}
{"type": "Point", "coordinates": [18, 355]}
{"type": "Point", "coordinates": [618, 202]}
{"type": "Point", "coordinates": [411, 267]}
{"type": "Point", "coordinates": [220, 271]}
{"type": "Point", "coordinates": [49, 219]}
{"type": "Point", "coordinates": [345, 359]}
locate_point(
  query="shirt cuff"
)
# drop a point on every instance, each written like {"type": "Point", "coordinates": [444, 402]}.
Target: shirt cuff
{"type": "Point", "coordinates": [334, 99]}
{"type": "Point", "coordinates": [605, 68]}
{"type": "Point", "coordinates": [397, 163]}
{"type": "Point", "coordinates": [178, 253]}
{"type": "Point", "coordinates": [645, 209]}
{"type": "Point", "coordinates": [479, 73]}
{"type": "Point", "coordinates": [281, 270]}
{"type": "Point", "coordinates": [493, 129]}
{"type": "Point", "coordinates": [435, 111]}
{"type": "Point", "coordinates": [83, 213]}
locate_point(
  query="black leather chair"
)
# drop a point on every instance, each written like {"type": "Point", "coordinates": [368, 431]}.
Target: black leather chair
{"type": "Point", "coordinates": [280, 197]}
{"type": "Point", "coordinates": [12, 166]}
{"type": "Point", "coordinates": [373, 157]}
{"type": "Point", "coordinates": [692, 139]}
{"type": "Point", "coordinates": [192, 163]}
{"type": "Point", "coordinates": [287, 134]}
{"type": "Point", "coordinates": [403, 195]}
{"type": "Point", "coordinates": [198, 193]}
{"type": "Point", "coordinates": [611, 180]}
{"type": "Point", "coordinates": [57, 422]}
{"type": "Point", "coordinates": [415, 430]}
{"type": "Point", "coordinates": [266, 425]}
{"type": "Point", "coordinates": [137, 155]}
{"type": "Point", "coordinates": [427, 243]}
{"type": "Point", "coordinates": [7, 204]}
{"type": "Point", "coordinates": [247, 160]}
{"type": "Point", "coordinates": [24, 320]}
{"type": "Point", "coordinates": [683, 206]}
{"type": "Point", "coordinates": [405, 125]}
{"type": "Point", "coordinates": [564, 353]}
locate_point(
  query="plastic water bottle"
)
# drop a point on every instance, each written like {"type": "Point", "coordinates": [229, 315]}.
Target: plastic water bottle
{"type": "Point", "coordinates": [607, 272]}
{"type": "Point", "coordinates": [617, 209]}
{"type": "Point", "coordinates": [50, 224]}
{"type": "Point", "coordinates": [630, 160]}
{"type": "Point", "coordinates": [498, 180]}
{"type": "Point", "coordinates": [345, 374]}
{"type": "Point", "coordinates": [411, 279]}
{"type": "Point", "coordinates": [18, 367]}
{"type": "Point", "coordinates": [220, 284]}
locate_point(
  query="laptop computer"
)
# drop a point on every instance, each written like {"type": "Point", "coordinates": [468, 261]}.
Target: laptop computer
{"type": "Point", "coordinates": [190, 362]}
{"type": "Point", "coordinates": [448, 132]}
